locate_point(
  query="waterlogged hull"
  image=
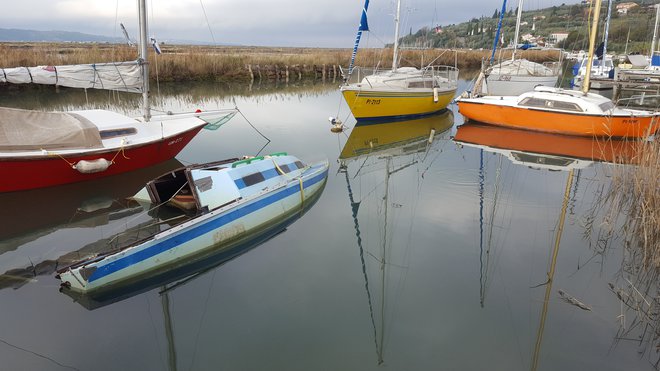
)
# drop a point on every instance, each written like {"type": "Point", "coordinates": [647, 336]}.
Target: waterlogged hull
{"type": "Point", "coordinates": [49, 170]}
{"type": "Point", "coordinates": [184, 271]}
{"type": "Point", "coordinates": [365, 104]}
{"type": "Point", "coordinates": [222, 230]}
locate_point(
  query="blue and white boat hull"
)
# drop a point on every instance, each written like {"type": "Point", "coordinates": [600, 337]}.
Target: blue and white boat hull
{"type": "Point", "coordinates": [253, 216]}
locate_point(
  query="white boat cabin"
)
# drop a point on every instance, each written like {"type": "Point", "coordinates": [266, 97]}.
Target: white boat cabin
{"type": "Point", "coordinates": [566, 100]}
{"type": "Point", "coordinates": [201, 188]}
{"type": "Point", "coordinates": [411, 78]}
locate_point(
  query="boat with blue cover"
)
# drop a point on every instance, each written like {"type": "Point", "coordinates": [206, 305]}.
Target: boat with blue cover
{"type": "Point", "coordinates": [214, 208]}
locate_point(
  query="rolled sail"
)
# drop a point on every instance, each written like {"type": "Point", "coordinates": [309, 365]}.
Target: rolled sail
{"type": "Point", "coordinates": [363, 26]}
{"type": "Point", "coordinates": [121, 76]}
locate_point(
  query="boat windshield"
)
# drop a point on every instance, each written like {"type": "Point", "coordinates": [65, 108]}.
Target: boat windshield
{"type": "Point", "coordinates": [550, 103]}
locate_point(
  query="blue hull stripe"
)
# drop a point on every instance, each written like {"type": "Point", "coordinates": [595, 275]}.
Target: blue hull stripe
{"type": "Point", "coordinates": [200, 230]}
{"type": "Point", "coordinates": [363, 121]}
{"type": "Point", "coordinates": [269, 173]}
{"type": "Point", "coordinates": [379, 95]}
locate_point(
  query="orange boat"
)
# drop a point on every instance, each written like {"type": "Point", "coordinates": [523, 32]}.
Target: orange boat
{"type": "Point", "coordinates": [555, 110]}
{"type": "Point", "coordinates": [561, 111]}
{"type": "Point", "coordinates": [545, 148]}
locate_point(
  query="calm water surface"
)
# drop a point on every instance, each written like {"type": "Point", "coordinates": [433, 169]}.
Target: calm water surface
{"type": "Point", "coordinates": [417, 256]}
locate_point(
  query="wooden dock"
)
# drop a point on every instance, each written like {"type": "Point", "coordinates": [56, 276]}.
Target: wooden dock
{"type": "Point", "coordinates": [635, 82]}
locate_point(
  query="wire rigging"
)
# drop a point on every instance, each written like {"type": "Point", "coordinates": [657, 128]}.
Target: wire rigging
{"type": "Point", "coordinates": [201, 3]}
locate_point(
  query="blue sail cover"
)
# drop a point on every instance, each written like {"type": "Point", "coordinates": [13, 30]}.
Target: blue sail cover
{"type": "Point", "coordinates": [363, 26]}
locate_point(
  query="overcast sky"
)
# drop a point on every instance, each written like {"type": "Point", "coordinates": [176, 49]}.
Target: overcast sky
{"type": "Point", "coordinates": [323, 23]}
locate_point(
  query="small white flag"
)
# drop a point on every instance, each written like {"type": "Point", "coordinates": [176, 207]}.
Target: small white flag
{"type": "Point", "coordinates": [128, 39]}
{"type": "Point", "coordinates": [154, 43]}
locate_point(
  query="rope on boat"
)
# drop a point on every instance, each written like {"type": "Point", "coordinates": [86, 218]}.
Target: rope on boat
{"type": "Point", "coordinates": [71, 164]}
{"type": "Point", "coordinates": [121, 150]}
{"type": "Point", "coordinates": [253, 127]}
{"type": "Point", "coordinates": [92, 166]}
{"type": "Point", "coordinates": [300, 181]}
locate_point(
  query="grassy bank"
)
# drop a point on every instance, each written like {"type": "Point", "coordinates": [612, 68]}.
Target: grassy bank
{"type": "Point", "coordinates": [181, 63]}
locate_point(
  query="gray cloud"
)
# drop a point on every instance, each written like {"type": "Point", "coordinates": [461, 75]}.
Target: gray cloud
{"type": "Point", "coordinates": [324, 23]}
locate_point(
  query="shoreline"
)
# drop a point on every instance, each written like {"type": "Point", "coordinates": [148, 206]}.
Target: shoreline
{"type": "Point", "coordinates": [243, 63]}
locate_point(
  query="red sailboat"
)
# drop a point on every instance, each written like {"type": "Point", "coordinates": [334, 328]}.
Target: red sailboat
{"type": "Point", "coordinates": [43, 149]}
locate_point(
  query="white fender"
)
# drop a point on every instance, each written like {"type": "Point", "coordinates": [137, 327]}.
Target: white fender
{"type": "Point", "coordinates": [93, 166]}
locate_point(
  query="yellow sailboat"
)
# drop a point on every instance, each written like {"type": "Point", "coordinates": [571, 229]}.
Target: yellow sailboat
{"type": "Point", "coordinates": [401, 91]}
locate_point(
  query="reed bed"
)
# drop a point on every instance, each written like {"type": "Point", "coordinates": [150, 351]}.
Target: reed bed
{"type": "Point", "coordinates": [635, 194]}
{"type": "Point", "coordinates": [229, 63]}
{"type": "Point", "coordinates": [627, 213]}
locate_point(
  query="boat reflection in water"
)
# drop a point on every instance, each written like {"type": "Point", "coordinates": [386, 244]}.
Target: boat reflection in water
{"type": "Point", "coordinates": [39, 216]}
{"type": "Point", "coordinates": [544, 150]}
{"type": "Point", "coordinates": [540, 151]}
{"type": "Point", "coordinates": [384, 165]}
{"type": "Point", "coordinates": [42, 211]}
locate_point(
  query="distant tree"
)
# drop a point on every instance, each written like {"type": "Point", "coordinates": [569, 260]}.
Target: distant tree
{"type": "Point", "coordinates": [575, 11]}
{"type": "Point", "coordinates": [496, 14]}
{"type": "Point", "coordinates": [574, 41]}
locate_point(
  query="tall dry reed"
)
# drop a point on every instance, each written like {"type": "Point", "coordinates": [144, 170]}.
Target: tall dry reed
{"type": "Point", "coordinates": [636, 193]}
{"type": "Point", "coordinates": [180, 63]}
{"type": "Point", "coordinates": [630, 214]}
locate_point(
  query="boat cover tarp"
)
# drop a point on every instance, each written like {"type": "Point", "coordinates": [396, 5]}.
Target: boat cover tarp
{"type": "Point", "coordinates": [638, 60]}
{"type": "Point", "coordinates": [25, 130]}
{"type": "Point", "coordinates": [520, 67]}
{"type": "Point", "coordinates": [123, 76]}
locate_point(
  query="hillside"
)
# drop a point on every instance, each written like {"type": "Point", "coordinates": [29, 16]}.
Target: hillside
{"type": "Point", "coordinates": [50, 36]}
{"type": "Point", "coordinates": [636, 26]}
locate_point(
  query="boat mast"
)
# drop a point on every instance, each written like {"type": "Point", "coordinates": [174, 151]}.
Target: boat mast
{"type": "Point", "coordinates": [592, 41]}
{"type": "Point", "coordinates": [655, 33]}
{"type": "Point", "coordinates": [169, 331]}
{"type": "Point", "coordinates": [607, 32]}
{"type": "Point", "coordinates": [144, 61]}
{"type": "Point", "coordinates": [515, 38]}
{"type": "Point", "coordinates": [551, 273]}
{"type": "Point", "coordinates": [396, 35]}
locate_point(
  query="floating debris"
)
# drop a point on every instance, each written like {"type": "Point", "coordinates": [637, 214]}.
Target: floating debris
{"type": "Point", "coordinates": [337, 125]}
{"type": "Point", "coordinates": [573, 301]}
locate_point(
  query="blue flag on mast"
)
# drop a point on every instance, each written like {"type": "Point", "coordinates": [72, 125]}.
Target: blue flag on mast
{"type": "Point", "coordinates": [497, 35]}
{"type": "Point", "coordinates": [363, 26]}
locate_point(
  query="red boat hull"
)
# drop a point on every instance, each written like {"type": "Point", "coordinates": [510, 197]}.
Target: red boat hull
{"type": "Point", "coordinates": [47, 171]}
